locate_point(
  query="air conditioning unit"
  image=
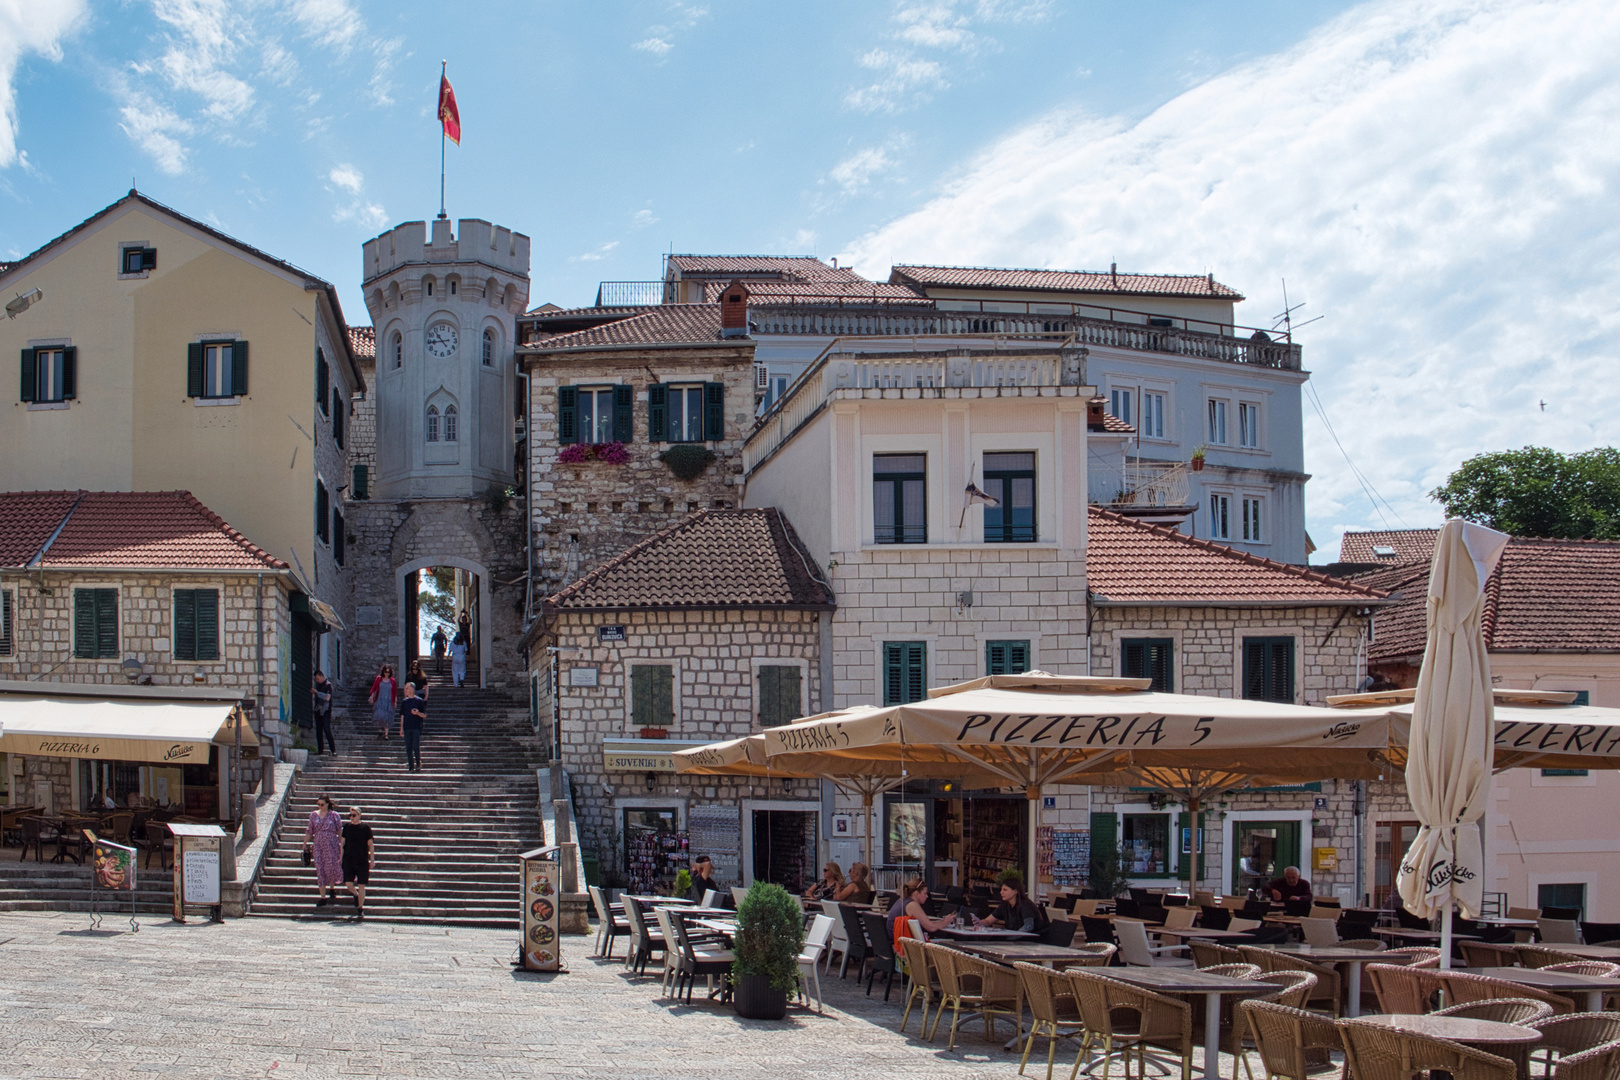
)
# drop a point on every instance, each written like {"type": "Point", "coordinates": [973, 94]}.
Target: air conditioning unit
{"type": "Point", "coordinates": [762, 377]}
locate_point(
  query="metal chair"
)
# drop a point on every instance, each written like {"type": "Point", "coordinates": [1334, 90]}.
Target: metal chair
{"type": "Point", "coordinates": [1283, 1036]}
{"type": "Point", "coordinates": [1060, 934]}
{"type": "Point", "coordinates": [839, 944]}
{"type": "Point", "coordinates": [711, 898]}
{"type": "Point", "coordinates": [695, 961]}
{"type": "Point", "coordinates": [856, 947]}
{"type": "Point", "coordinates": [815, 943]}
{"type": "Point", "coordinates": [737, 894]}
{"type": "Point", "coordinates": [1054, 1012]}
{"type": "Point", "coordinates": [643, 942]}
{"type": "Point", "coordinates": [672, 968]}
{"type": "Point", "coordinates": [882, 957]}
{"type": "Point", "coordinates": [1320, 932]}
{"type": "Point", "coordinates": [1374, 1052]}
{"type": "Point", "coordinates": [36, 833]}
{"type": "Point", "coordinates": [1558, 931]}
{"type": "Point", "coordinates": [1135, 950]}
{"type": "Point", "coordinates": [1522, 1011]}
{"type": "Point", "coordinates": [608, 925]}
{"type": "Point", "coordinates": [966, 982]}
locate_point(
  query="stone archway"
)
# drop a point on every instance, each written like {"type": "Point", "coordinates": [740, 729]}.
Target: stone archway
{"type": "Point", "coordinates": [482, 627]}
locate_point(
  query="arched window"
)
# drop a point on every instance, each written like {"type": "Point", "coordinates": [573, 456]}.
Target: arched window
{"type": "Point", "coordinates": [398, 347]}
{"type": "Point", "coordinates": [489, 348]}
{"type": "Point", "coordinates": [449, 423]}
{"type": "Point", "coordinates": [430, 286]}
{"type": "Point", "coordinates": [433, 423]}
{"type": "Point", "coordinates": [452, 286]}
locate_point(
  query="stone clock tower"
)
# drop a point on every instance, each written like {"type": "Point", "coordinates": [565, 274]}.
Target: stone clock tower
{"type": "Point", "coordinates": [444, 308]}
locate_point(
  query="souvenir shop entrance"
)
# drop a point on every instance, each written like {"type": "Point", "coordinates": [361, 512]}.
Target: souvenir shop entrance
{"type": "Point", "coordinates": [954, 838]}
{"type": "Point", "coordinates": [781, 842]}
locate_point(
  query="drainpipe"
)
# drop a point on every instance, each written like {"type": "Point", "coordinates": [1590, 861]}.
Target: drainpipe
{"type": "Point", "coordinates": [268, 784]}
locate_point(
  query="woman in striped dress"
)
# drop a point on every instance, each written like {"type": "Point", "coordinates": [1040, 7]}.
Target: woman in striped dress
{"type": "Point", "coordinates": [323, 836]}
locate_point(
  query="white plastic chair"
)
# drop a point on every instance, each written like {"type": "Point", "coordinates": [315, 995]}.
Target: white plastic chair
{"type": "Point", "coordinates": [815, 945]}
{"type": "Point", "coordinates": [840, 937]}
{"type": "Point", "coordinates": [1180, 918]}
{"type": "Point", "coordinates": [1135, 950]}
{"type": "Point", "coordinates": [737, 894]}
{"type": "Point", "coordinates": [1320, 932]}
{"type": "Point", "coordinates": [672, 958]}
{"type": "Point", "coordinates": [711, 898]}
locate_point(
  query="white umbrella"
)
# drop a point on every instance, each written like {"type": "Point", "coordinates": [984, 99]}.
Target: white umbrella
{"type": "Point", "coordinates": [1448, 766]}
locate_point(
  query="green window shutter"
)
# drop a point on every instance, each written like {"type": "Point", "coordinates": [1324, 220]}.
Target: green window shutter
{"type": "Point", "coordinates": [358, 487]}
{"type": "Point", "coordinates": [1268, 669]}
{"type": "Point", "coordinates": [70, 373]}
{"type": "Point", "coordinates": [7, 645]}
{"type": "Point", "coordinates": [1006, 657]}
{"type": "Point", "coordinates": [624, 412]}
{"type": "Point", "coordinates": [1149, 658]}
{"type": "Point", "coordinates": [337, 418]}
{"type": "Point", "coordinates": [106, 601]}
{"type": "Point", "coordinates": [658, 413]}
{"type": "Point", "coordinates": [322, 511]}
{"type": "Point", "coordinates": [904, 672]}
{"type": "Point", "coordinates": [185, 624]}
{"type": "Point", "coordinates": [1254, 669]}
{"type": "Point", "coordinates": [194, 369]}
{"type": "Point", "coordinates": [1104, 837]}
{"type": "Point", "coordinates": [30, 375]}
{"type": "Point", "coordinates": [567, 414]}
{"type": "Point", "coordinates": [893, 672]}
{"type": "Point", "coordinates": [652, 702]}
{"type": "Point", "coordinates": [778, 695]}
{"type": "Point", "coordinates": [148, 258]}
{"type": "Point", "coordinates": [207, 608]}
{"type": "Point", "coordinates": [1017, 657]}
{"type": "Point", "coordinates": [337, 537]}
{"type": "Point", "coordinates": [239, 383]}
{"type": "Point", "coordinates": [84, 624]}
{"type": "Point", "coordinates": [323, 378]}
{"type": "Point", "coordinates": [714, 411]}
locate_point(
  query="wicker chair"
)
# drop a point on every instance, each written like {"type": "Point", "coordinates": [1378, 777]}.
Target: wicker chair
{"type": "Point", "coordinates": [1418, 956]}
{"type": "Point", "coordinates": [1233, 971]}
{"type": "Point", "coordinates": [924, 985]}
{"type": "Point", "coordinates": [1598, 969]}
{"type": "Point", "coordinates": [1096, 955]}
{"type": "Point", "coordinates": [1122, 1016]}
{"type": "Point", "coordinates": [1207, 954]}
{"type": "Point", "coordinates": [966, 982]}
{"type": "Point", "coordinates": [1283, 1036]}
{"type": "Point", "coordinates": [1540, 956]}
{"type": "Point", "coordinates": [1374, 1052]}
{"type": "Point", "coordinates": [1054, 1011]}
{"type": "Point", "coordinates": [1522, 1011]}
{"type": "Point", "coordinates": [1599, 1063]}
{"type": "Point", "coordinates": [1325, 995]}
{"type": "Point", "coordinates": [1295, 987]}
{"type": "Point", "coordinates": [1460, 987]}
{"type": "Point", "coordinates": [1479, 954]}
{"type": "Point", "coordinates": [1566, 1036]}
{"type": "Point", "coordinates": [1398, 989]}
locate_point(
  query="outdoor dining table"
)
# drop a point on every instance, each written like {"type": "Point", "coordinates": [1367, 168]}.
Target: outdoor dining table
{"type": "Point", "coordinates": [657, 901]}
{"type": "Point", "coordinates": [1506, 923]}
{"type": "Point", "coordinates": [1427, 937]}
{"type": "Point", "coordinates": [1199, 933]}
{"type": "Point", "coordinates": [1352, 959]}
{"type": "Point", "coordinates": [1187, 982]}
{"type": "Point", "coordinates": [1029, 952]}
{"type": "Point", "coordinates": [982, 933]}
{"type": "Point", "coordinates": [1512, 1041]}
{"type": "Point", "coordinates": [1610, 953]}
{"type": "Point", "coordinates": [1556, 982]}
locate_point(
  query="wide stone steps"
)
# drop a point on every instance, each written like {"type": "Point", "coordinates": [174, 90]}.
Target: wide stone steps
{"type": "Point", "coordinates": [446, 837]}
{"type": "Point", "coordinates": [31, 886]}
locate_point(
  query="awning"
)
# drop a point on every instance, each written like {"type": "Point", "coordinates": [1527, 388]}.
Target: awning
{"type": "Point", "coordinates": [319, 612]}
{"type": "Point", "coordinates": [121, 729]}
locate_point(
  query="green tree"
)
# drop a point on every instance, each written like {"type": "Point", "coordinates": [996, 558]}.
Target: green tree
{"type": "Point", "coordinates": [436, 594]}
{"type": "Point", "coordinates": [1538, 492]}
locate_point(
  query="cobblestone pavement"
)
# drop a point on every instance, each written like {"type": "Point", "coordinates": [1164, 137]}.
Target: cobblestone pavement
{"type": "Point", "coordinates": [267, 998]}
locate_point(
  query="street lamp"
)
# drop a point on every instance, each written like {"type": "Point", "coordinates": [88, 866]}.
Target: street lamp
{"type": "Point", "coordinates": [23, 302]}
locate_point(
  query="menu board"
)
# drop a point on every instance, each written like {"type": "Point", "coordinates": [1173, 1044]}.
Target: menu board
{"type": "Point", "coordinates": [201, 884]}
{"type": "Point", "coordinates": [542, 880]}
{"type": "Point", "coordinates": [1071, 857]}
{"type": "Point", "coordinates": [716, 831]}
{"type": "Point", "coordinates": [1043, 853]}
{"type": "Point", "coordinates": [114, 865]}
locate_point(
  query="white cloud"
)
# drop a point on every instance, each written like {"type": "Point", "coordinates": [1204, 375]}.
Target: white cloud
{"type": "Point", "coordinates": [907, 74]}
{"type": "Point", "coordinates": [660, 39]}
{"type": "Point", "coordinates": [355, 207]}
{"type": "Point", "coordinates": [333, 23]}
{"type": "Point", "coordinates": [655, 45]}
{"type": "Point", "coordinates": [598, 255]}
{"type": "Point", "coordinates": [903, 80]}
{"type": "Point", "coordinates": [643, 218]}
{"type": "Point", "coordinates": [381, 87]}
{"type": "Point", "coordinates": [348, 178]}
{"type": "Point", "coordinates": [29, 28]}
{"type": "Point", "coordinates": [154, 127]}
{"type": "Point", "coordinates": [857, 171]}
{"type": "Point", "coordinates": [1436, 176]}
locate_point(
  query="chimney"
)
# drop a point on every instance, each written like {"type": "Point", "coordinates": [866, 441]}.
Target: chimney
{"type": "Point", "coordinates": [1096, 414]}
{"type": "Point", "coordinates": [734, 311]}
{"type": "Point", "coordinates": [1113, 273]}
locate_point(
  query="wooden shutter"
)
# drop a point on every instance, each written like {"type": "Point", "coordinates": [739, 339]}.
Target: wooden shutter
{"type": "Point", "coordinates": [185, 624]}
{"type": "Point", "coordinates": [7, 645]}
{"type": "Point", "coordinates": [358, 489]}
{"type": "Point", "coordinates": [1268, 669]}
{"type": "Point", "coordinates": [658, 413]}
{"type": "Point", "coordinates": [714, 411]}
{"type": "Point", "coordinates": [207, 607]}
{"type": "Point", "coordinates": [323, 379]}
{"type": "Point", "coordinates": [778, 695]}
{"type": "Point", "coordinates": [70, 373]}
{"type": "Point", "coordinates": [624, 412]}
{"type": "Point", "coordinates": [337, 417]}
{"type": "Point", "coordinates": [30, 375]}
{"type": "Point", "coordinates": [239, 383]}
{"type": "Point", "coordinates": [84, 623]}
{"type": "Point", "coordinates": [1282, 670]}
{"type": "Point", "coordinates": [1149, 658]}
{"type": "Point", "coordinates": [148, 258]}
{"type": "Point", "coordinates": [337, 537]}
{"type": "Point", "coordinates": [106, 602]}
{"type": "Point", "coordinates": [322, 509]}
{"type": "Point", "coordinates": [567, 414]}
{"type": "Point", "coordinates": [194, 369]}
{"type": "Point", "coordinates": [1006, 657]}
{"type": "Point", "coordinates": [652, 701]}
{"type": "Point", "coordinates": [904, 679]}
{"type": "Point", "coordinates": [1104, 838]}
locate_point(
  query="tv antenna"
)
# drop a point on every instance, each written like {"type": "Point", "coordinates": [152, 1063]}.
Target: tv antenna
{"type": "Point", "coordinates": [1286, 320]}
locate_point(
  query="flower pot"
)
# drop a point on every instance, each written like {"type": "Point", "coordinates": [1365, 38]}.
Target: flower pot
{"type": "Point", "coordinates": [654, 733]}
{"type": "Point", "coordinates": [1198, 464]}
{"type": "Point", "coordinates": [756, 999]}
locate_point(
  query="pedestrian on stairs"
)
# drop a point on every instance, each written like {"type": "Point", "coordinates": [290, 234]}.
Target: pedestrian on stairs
{"type": "Point", "coordinates": [323, 711]}
{"type": "Point", "coordinates": [359, 857]}
{"type": "Point", "coordinates": [321, 837]}
{"type": "Point", "coordinates": [412, 714]}
{"type": "Point", "coordinates": [440, 644]}
{"type": "Point", "coordinates": [417, 677]}
{"type": "Point", "coordinates": [458, 659]}
{"type": "Point", "coordinates": [384, 696]}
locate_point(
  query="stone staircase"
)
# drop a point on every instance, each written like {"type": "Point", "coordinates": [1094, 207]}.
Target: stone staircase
{"type": "Point", "coordinates": [446, 837]}
{"type": "Point", "coordinates": [65, 886]}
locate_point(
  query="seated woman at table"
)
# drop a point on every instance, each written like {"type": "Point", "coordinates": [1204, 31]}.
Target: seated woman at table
{"type": "Point", "coordinates": [832, 879]}
{"type": "Point", "coordinates": [913, 897]}
{"type": "Point", "coordinates": [859, 890]}
{"type": "Point", "coordinates": [1016, 910]}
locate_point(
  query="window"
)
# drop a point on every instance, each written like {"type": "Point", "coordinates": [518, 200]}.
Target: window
{"type": "Point", "coordinates": [95, 624]}
{"type": "Point", "coordinates": [778, 695]}
{"type": "Point", "coordinates": [1220, 517]}
{"type": "Point", "coordinates": [337, 417]}
{"type": "Point", "coordinates": [1120, 404]}
{"type": "Point", "coordinates": [592, 414]}
{"type": "Point", "coordinates": [50, 374]}
{"type": "Point", "coordinates": [337, 537]}
{"type": "Point", "coordinates": [1152, 415]}
{"type": "Point", "coordinates": [429, 286]}
{"type": "Point", "coordinates": [322, 512]}
{"type": "Point", "coordinates": [449, 423]}
{"type": "Point", "coordinates": [904, 677]}
{"type": "Point", "coordinates": [397, 347]}
{"type": "Point", "coordinates": [489, 348]}
{"type": "Point", "coordinates": [1149, 658]}
{"type": "Point", "coordinates": [1248, 424]}
{"type": "Point", "coordinates": [1251, 519]}
{"type": "Point", "coordinates": [1268, 669]}
{"type": "Point", "coordinates": [1010, 480]}
{"type": "Point", "coordinates": [652, 696]}
{"type": "Point", "coordinates": [1144, 843]}
{"type": "Point", "coordinates": [453, 284]}
{"type": "Point", "coordinates": [1568, 895]}
{"type": "Point", "coordinates": [359, 486]}
{"type": "Point", "coordinates": [216, 369]}
{"type": "Point", "coordinates": [323, 379]}
{"type": "Point", "coordinates": [196, 624]}
{"type": "Point", "coordinates": [1217, 422]}
{"type": "Point", "coordinates": [899, 502]}
{"type": "Point", "coordinates": [690, 413]}
{"type": "Point", "coordinates": [8, 644]}
{"type": "Point", "coordinates": [137, 260]}
{"type": "Point", "coordinates": [1582, 697]}
{"type": "Point", "coordinates": [1006, 657]}
{"type": "Point", "coordinates": [433, 423]}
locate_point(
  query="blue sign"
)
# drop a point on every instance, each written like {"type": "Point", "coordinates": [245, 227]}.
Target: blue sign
{"type": "Point", "coordinates": [610, 633]}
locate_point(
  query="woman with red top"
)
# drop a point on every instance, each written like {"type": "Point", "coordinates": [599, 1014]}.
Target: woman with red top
{"type": "Point", "coordinates": [384, 696]}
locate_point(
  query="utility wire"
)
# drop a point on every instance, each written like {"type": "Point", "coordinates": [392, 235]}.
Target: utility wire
{"type": "Point", "coordinates": [1361, 478]}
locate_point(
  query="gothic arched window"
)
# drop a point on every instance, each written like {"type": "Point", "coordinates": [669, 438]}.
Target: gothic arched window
{"type": "Point", "coordinates": [433, 423]}
{"type": "Point", "coordinates": [398, 346]}
{"type": "Point", "coordinates": [489, 348]}
{"type": "Point", "coordinates": [449, 423]}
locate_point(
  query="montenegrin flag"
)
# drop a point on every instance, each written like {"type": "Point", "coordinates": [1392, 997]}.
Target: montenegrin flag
{"type": "Point", "coordinates": [448, 113]}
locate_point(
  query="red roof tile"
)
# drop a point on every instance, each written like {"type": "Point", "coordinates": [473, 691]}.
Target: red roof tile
{"type": "Point", "coordinates": [667, 324]}
{"type": "Point", "coordinates": [819, 292]}
{"type": "Point", "coordinates": [1132, 562]}
{"type": "Point", "coordinates": [1406, 546]}
{"type": "Point", "coordinates": [785, 268]}
{"type": "Point", "coordinates": [123, 530]}
{"type": "Point", "coordinates": [985, 277]}
{"type": "Point", "coordinates": [363, 341]}
{"type": "Point", "coordinates": [713, 559]}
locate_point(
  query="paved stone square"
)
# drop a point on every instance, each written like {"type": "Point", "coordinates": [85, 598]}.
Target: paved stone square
{"type": "Point", "coordinates": [272, 998]}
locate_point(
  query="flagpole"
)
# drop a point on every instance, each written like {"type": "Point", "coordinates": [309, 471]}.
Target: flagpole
{"type": "Point", "coordinates": [443, 70]}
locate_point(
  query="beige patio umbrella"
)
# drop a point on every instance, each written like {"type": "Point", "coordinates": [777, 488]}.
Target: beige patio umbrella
{"type": "Point", "coordinates": [1449, 756]}
{"type": "Point", "coordinates": [1036, 729]}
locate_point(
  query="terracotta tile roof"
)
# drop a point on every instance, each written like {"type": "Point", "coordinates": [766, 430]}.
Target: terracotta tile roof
{"type": "Point", "coordinates": [820, 292]}
{"type": "Point", "coordinates": [667, 324]}
{"type": "Point", "coordinates": [1132, 562]}
{"type": "Point", "coordinates": [1544, 594]}
{"type": "Point", "coordinates": [1112, 424]}
{"type": "Point", "coordinates": [785, 268]}
{"type": "Point", "coordinates": [713, 559]}
{"type": "Point", "coordinates": [1407, 546]}
{"type": "Point", "coordinates": [122, 530]}
{"type": "Point", "coordinates": [541, 314]}
{"type": "Point", "coordinates": [985, 277]}
{"type": "Point", "coordinates": [363, 341]}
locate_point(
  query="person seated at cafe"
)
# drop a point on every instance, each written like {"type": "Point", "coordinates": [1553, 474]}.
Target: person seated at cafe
{"type": "Point", "coordinates": [859, 889]}
{"type": "Point", "coordinates": [832, 879]}
{"type": "Point", "coordinates": [913, 897]}
{"type": "Point", "coordinates": [1290, 886]}
{"type": "Point", "coordinates": [1016, 910]}
{"type": "Point", "coordinates": [702, 878]}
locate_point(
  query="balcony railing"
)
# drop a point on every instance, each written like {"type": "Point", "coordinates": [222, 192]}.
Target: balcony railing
{"type": "Point", "coordinates": [632, 293]}
{"type": "Point", "coordinates": [1139, 483]}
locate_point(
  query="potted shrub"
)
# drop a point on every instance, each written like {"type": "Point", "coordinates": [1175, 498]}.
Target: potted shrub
{"type": "Point", "coordinates": [683, 883]}
{"type": "Point", "coordinates": [1198, 460]}
{"type": "Point", "coordinates": [770, 936]}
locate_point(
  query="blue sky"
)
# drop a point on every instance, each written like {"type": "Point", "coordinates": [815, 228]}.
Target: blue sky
{"type": "Point", "coordinates": [1435, 176]}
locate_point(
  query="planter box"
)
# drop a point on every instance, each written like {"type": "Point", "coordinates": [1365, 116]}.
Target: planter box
{"type": "Point", "coordinates": [754, 999]}
{"type": "Point", "coordinates": [654, 733]}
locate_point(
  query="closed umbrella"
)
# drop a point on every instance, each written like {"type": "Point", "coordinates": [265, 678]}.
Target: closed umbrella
{"type": "Point", "coordinates": [1449, 756]}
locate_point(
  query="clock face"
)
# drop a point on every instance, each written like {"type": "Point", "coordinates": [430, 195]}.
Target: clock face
{"type": "Point", "coordinates": [441, 340]}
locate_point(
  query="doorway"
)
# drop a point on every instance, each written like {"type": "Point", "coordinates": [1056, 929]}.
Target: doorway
{"type": "Point", "coordinates": [442, 604]}
{"type": "Point", "coordinates": [1391, 841]}
{"type": "Point", "coordinates": [784, 844]}
{"type": "Point", "coordinates": [1261, 851]}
